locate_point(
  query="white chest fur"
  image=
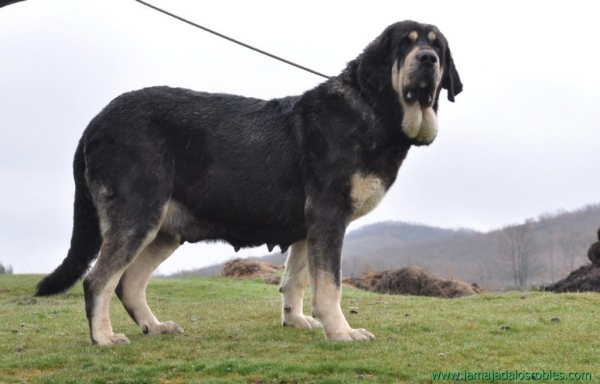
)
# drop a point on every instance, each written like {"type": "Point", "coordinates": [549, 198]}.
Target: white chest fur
{"type": "Point", "coordinates": [367, 191]}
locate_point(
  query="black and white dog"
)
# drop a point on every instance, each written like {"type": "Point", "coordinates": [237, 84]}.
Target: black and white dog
{"type": "Point", "coordinates": [162, 166]}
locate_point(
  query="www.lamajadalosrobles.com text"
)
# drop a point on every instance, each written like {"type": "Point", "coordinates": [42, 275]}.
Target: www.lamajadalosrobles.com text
{"type": "Point", "coordinates": [500, 375]}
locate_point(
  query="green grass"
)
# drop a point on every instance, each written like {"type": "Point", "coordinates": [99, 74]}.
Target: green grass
{"type": "Point", "coordinates": [233, 335]}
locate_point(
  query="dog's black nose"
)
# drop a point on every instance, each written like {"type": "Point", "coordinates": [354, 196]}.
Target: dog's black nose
{"type": "Point", "coordinates": [427, 58]}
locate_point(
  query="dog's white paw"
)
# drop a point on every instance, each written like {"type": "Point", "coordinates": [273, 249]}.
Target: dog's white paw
{"type": "Point", "coordinates": [300, 321]}
{"type": "Point", "coordinates": [350, 335]}
{"type": "Point", "coordinates": [164, 327]}
{"type": "Point", "coordinates": [112, 340]}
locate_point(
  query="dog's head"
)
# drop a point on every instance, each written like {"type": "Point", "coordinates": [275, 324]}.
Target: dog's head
{"type": "Point", "coordinates": [414, 61]}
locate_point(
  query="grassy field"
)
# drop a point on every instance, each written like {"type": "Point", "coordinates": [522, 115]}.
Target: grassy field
{"type": "Point", "coordinates": [233, 335]}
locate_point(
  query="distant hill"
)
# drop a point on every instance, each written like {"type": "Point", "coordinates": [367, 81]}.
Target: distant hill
{"type": "Point", "coordinates": [366, 248]}
{"type": "Point", "coordinates": [405, 232]}
{"type": "Point", "coordinates": [559, 242]}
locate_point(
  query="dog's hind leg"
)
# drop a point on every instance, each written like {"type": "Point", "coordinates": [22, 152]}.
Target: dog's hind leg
{"type": "Point", "coordinates": [295, 280]}
{"type": "Point", "coordinates": [119, 250]}
{"type": "Point", "coordinates": [130, 221]}
{"type": "Point", "coordinates": [132, 287]}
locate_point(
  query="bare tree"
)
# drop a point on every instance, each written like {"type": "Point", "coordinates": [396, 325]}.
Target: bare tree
{"type": "Point", "coordinates": [521, 252]}
{"type": "Point", "coordinates": [487, 268]}
{"type": "Point", "coordinates": [366, 266]}
{"type": "Point", "coordinates": [550, 243]}
{"type": "Point", "coordinates": [573, 245]}
{"type": "Point", "coordinates": [5, 269]}
{"type": "Point", "coordinates": [349, 266]}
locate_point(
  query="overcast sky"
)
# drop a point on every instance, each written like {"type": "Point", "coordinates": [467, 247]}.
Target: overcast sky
{"type": "Point", "coordinates": [523, 138]}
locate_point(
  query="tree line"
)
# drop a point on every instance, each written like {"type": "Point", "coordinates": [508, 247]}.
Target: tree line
{"type": "Point", "coordinates": [536, 251]}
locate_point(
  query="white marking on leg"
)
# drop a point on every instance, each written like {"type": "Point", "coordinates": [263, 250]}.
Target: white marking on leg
{"type": "Point", "coordinates": [326, 302]}
{"type": "Point", "coordinates": [101, 328]}
{"type": "Point", "coordinates": [134, 283]}
{"type": "Point", "coordinates": [101, 331]}
{"type": "Point", "coordinates": [295, 280]}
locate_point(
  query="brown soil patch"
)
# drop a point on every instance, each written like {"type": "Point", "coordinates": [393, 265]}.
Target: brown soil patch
{"type": "Point", "coordinates": [584, 279]}
{"type": "Point", "coordinates": [412, 281]}
{"type": "Point", "coordinates": [249, 269]}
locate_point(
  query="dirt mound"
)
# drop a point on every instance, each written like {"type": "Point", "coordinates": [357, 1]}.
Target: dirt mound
{"type": "Point", "coordinates": [412, 281]}
{"type": "Point", "coordinates": [478, 289]}
{"type": "Point", "coordinates": [249, 269]}
{"type": "Point", "coordinates": [584, 279]}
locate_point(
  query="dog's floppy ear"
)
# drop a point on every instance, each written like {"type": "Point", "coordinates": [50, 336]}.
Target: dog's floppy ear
{"type": "Point", "coordinates": [374, 65]}
{"type": "Point", "coordinates": [451, 80]}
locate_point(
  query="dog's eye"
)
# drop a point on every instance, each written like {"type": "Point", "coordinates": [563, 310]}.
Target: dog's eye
{"type": "Point", "coordinates": [405, 40]}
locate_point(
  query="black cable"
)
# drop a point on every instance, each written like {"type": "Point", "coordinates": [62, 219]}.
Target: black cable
{"type": "Point", "coordinates": [232, 40]}
{"type": "Point", "coordinates": [4, 3]}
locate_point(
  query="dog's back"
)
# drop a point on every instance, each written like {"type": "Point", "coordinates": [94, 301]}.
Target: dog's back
{"type": "Point", "coordinates": [192, 144]}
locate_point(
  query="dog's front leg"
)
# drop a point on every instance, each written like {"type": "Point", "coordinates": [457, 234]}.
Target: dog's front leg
{"type": "Point", "coordinates": [325, 235]}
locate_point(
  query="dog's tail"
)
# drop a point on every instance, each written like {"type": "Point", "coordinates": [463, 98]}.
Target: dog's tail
{"type": "Point", "coordinates": [85, 241]}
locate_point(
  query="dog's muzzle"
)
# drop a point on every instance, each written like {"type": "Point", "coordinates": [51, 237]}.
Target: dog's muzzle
{"type": "Point", "coordinates": [423, 81]}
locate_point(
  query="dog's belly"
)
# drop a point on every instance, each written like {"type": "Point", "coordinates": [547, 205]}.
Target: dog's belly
{"type": "Point", "coordinates": [240, 228]}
